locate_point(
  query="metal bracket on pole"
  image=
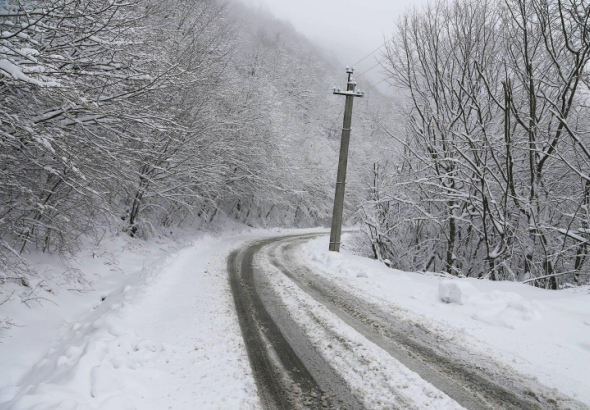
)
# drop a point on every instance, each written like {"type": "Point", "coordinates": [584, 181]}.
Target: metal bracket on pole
{"type": "Point", "coordinates": [352, 94]}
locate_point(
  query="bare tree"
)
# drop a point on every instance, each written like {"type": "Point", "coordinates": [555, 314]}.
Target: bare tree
{"type": "Point", "coordinates": [492, 88]}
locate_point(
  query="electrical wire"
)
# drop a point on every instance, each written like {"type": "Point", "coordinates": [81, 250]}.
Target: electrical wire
{"type": "Point", "coordinates": [366, 71]}
{"type": "Point", "coordinates": [378, 63]}
{"type": "Point", "coordinates": [376, 84]}
{"type": "Point", "coordinates": [336, 119]}
{"type": "Point", "coordinates": [368, 55]}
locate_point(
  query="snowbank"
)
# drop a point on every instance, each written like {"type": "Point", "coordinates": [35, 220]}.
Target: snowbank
{"type": "Point", "coordinates": [497, 308]}
{"type": "Point", "coordinates": [454, 291]}
{"type": "Point", "coordinates": [538, 332]}
{"type": "Point", "coordinates": [158, 333]}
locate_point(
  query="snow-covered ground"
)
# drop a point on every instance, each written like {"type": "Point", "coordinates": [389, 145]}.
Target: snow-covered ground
{"type": "Point", "coordinates": [538, 332]}
{"type": "Point", "coordinates": [157, 331]}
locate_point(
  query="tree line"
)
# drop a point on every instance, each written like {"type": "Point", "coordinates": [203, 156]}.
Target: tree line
{"type": "Point", "coordinates": [492, 179]}
{"type": "Point", "coordinates": [133, 117]}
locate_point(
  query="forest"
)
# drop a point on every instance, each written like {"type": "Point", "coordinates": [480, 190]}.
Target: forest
{"type": "Point", "coordinates": [122, 117]}
{"type": "Point", "coordinates": [492, 180]}
{"type": "Point", "coordinates": [171, 184]}
{"type": "Point", "coordinates": [134, 117]}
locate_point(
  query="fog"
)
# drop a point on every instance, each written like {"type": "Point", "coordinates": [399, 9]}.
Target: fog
{"type": "Point", "coordinates": [349, 29]}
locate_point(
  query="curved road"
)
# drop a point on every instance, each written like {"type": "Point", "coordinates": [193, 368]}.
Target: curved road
{"type": "Point", "coordinates": [290, 373]}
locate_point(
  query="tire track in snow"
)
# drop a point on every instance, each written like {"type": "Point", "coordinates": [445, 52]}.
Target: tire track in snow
{"type": "Point", "coordinates": [371, 374]}
{"type": "Point", "coordinates": [284, 381]}
{"type": "Point", "coordinates": [475, 385]}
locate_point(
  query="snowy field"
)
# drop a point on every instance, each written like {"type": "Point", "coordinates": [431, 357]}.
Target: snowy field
{"type": "Point", "coordinates": [158, 331]}
{"type": "Point", "coordinates": [538, 332]}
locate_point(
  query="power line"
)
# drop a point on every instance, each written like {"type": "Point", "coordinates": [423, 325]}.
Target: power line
{"type": "Point", "coordinates": [336, 119]}
{"type": "Point", "coordinates": [367, 56]}
{"type": "Point", "coordinates": [373, 86]}
{"type": "Point", "coordinates": [366, 71]}
{"type": "Point", "coordinates": [376, 84]}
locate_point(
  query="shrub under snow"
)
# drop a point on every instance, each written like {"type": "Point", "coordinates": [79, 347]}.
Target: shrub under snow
{"type": "Point", "coordinates": [454, 291]}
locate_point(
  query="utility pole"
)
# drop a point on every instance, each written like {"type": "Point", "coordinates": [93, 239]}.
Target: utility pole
{"type": "Point", "coordinates": [350, 93]}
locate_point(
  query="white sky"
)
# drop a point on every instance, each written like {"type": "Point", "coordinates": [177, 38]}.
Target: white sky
{"type": "Point", "coordinates": [350, 29]}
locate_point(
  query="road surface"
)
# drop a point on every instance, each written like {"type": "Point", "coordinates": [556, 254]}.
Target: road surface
{"type": "Point", "coordinates": [292, 373]}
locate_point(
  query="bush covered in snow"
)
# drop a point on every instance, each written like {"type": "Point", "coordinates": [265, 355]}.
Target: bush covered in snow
{"type": "Point", "coordinates": [455, 291]}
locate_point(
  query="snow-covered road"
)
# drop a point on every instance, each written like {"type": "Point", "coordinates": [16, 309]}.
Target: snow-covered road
{"type": "Point", "coordinates": [383, 359]}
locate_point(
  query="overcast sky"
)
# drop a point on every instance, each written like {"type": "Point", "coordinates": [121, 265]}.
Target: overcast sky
{"type": "Point", "coordinates": [350, 29]}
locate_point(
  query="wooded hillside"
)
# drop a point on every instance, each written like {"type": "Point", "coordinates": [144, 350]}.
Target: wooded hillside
{"type": "Point", "coordinates": [119, 116]}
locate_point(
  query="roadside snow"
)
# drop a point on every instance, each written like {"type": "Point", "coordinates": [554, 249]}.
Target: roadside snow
{"type": "Point", "coordinates": [452, 291]}
{"type": "Point", "coordinates": [159, 333]}
{"type": "Point", "coordinates": [538, 332]}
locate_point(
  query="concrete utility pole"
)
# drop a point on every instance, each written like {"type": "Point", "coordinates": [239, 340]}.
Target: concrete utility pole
{"type": "Point", "coordinates": [336, 231]}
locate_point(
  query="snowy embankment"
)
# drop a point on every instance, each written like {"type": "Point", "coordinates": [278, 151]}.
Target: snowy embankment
{"type": "Point", "coordinates": [538, 332]}
{"type": "Point", "coordinates": [158, 331]}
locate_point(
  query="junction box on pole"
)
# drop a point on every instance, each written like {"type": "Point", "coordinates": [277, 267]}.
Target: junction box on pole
{"type": "Point", "coordinates": [350, 93]}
